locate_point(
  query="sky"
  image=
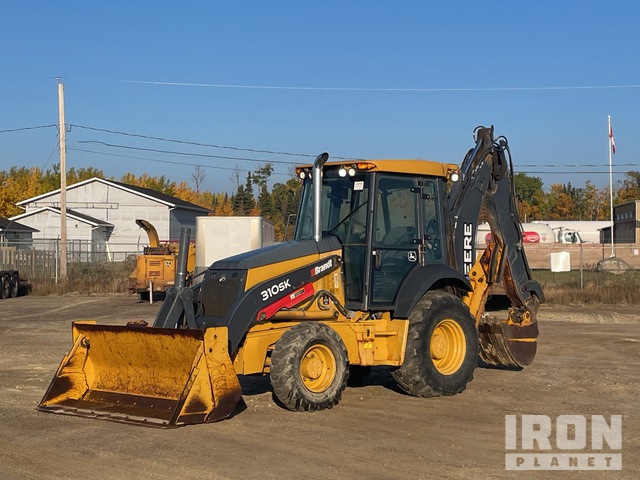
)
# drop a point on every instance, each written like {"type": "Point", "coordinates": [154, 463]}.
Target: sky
{"type": "Point", "coordinates": [374, 79]}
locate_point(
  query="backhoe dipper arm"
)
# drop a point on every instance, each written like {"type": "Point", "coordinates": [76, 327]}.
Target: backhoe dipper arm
{"type": "Point", "coordinates": [486, 173]}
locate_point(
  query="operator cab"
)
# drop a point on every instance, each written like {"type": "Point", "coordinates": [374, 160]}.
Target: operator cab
{"type": "Point", "coordinates": [388, 224]}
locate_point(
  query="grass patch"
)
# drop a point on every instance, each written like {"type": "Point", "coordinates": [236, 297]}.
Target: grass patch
{"type": "Point", "coordinates": [86, 278]}
{"type": "Point", "coordinates": [563, 288]}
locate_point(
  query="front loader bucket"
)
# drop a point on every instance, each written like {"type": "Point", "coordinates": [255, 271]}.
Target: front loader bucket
{"type": "Point", "coordinates": [155, 376]}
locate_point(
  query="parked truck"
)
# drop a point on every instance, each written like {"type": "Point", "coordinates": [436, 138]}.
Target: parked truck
{"type": "Point", "coordinates": [538, 232]}
{"type": "Point", "coordinates": [155, 269]}
{"type": "Point", "coordinates": [589, 230]}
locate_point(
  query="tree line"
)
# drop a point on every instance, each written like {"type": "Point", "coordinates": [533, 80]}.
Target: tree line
{"type": "Point", "coordinates": [278, 204]}
{"type": "Point", "coordinates": [568, 202]}
{"type": "Point", "coordinates": [253, 197]}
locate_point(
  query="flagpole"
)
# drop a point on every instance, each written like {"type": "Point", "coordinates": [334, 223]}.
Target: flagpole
{"type": "Point", "coordinates": [611, 184]}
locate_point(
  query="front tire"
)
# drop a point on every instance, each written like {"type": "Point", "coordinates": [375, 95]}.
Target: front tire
{"type": "Point", "coordinates": [442, 347]}
{"type": "Point", "coordinates": [309, 367]}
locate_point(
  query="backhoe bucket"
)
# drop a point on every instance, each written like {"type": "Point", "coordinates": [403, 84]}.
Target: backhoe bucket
{"type": "Point", "coordinates": [146, 375]}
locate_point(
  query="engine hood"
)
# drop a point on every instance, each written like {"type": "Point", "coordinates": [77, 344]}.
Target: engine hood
{"type": "Point", "coordinates": [277, 253]}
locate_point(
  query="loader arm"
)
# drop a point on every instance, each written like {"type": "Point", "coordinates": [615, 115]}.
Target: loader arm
{"type": "Point", "coordinates": [486, 174]}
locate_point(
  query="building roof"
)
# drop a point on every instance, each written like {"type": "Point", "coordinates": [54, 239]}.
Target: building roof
{"type": "Point", "coordinates": [161, 196]}
{"type": "Point", "coordinates": [7, 225]}
{"type": "Point", "coordinates": [95, 222]}
{"type": "Point", "coordinates": [168, 200]}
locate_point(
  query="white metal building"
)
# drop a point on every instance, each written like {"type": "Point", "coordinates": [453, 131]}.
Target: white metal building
{"type": "Point", "coordinates": [104, 212]}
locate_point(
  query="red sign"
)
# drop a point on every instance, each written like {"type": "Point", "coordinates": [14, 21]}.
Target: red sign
{"type": "Point", "coordinates": [527, 237]}
{"type": "Point", "coordinates": [531, 237]}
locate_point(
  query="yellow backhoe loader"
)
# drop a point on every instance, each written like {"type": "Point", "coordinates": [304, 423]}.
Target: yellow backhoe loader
{"type": "Point", "coordinates": [381, 271]}
{"type": "Point", "coordinates": [155, 270]}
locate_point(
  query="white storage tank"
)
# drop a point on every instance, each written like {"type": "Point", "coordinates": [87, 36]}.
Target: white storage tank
{"type": "Point", "coordinates": [222, 237]}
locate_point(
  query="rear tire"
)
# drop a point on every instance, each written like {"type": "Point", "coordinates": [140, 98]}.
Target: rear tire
{"type": "Point", "coordinates": [442, 347]}
{"type": "Point", "coordinates": [5, 285]}
{"type": "Point", "coordinates": [309, 367]}
{"type": "Point", "coordinates": [15, 285]}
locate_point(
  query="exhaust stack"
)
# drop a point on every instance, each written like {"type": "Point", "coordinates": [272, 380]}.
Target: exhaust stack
{"type": "Point", "coordinates": [317, 193]}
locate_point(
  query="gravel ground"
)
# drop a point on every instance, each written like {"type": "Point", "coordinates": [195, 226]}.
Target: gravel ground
{"type": "Point", "coordinates": [588, 363]}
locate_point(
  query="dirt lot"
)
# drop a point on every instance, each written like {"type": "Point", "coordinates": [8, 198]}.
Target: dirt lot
{"type": "Point", "coordinates": [588, 363]}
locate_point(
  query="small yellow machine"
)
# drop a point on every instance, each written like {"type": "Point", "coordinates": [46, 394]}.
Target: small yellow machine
{"type": "Point", "coordinates": [155, 270]}
{"type": "Point", "coordinates": [381, 271]}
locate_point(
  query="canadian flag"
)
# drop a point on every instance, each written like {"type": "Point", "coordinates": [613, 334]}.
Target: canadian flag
{"type": "Point", "coordinates": [613, 142]}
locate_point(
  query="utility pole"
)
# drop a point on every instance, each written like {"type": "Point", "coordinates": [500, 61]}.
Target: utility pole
{"type": "Point", "coordinates": [63, 184]}
{"type": "Point", "coordinates": [611, 150]}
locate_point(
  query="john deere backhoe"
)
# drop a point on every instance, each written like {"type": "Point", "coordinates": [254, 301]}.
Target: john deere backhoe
{"type": "Point", "coordinates": [381, 271]}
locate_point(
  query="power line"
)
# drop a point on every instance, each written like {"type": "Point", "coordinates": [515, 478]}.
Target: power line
{"type": "Point", "coordinates": [201, 144]}
{"type": "Point", "coordinates": [368, 89]}
{"type": "Point", "coordinates": [187, 154]}
{"type": "Point", "coordinates": [172, 162]}
{"type": "Point", "coordinates": [185, 142]}
{"type": "Point", "coordinates": [28, 128]}
{"type": "Point", "coordinates": [55, 149]}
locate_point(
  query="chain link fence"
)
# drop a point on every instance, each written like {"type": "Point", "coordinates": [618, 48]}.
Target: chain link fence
{"type": "Point", "coordinates": [582, 282]}
{"type": "Point", "coordinates": [583, 256]}
{"type": "Point", "coordinates": [40, 258]}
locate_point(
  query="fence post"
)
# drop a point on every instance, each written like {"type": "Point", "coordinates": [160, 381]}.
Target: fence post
{"type": "Point", "coordinates": [581, 277]}
{"type": "Point", "coordinates": [57, 254]}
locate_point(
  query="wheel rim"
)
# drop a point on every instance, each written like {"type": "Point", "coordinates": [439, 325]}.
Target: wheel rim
{"type": "Point", "coordinates": [318, 368]}
{"type": "Point", "coordinates": [448, 347]}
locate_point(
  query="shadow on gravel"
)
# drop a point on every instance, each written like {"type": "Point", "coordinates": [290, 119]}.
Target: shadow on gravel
{"type": "Point", "coordinates": [481, 364]}
{"type": "Point", "coordinates": [259, 384]}
{"type": "Point", "coordinates": [254, 384]}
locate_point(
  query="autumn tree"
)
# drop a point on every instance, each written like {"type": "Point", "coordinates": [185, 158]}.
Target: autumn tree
{"type": "Point", "coordinates": [560, 205]}
{"type": "Point", "coordinates": [628, 188]}
{"type": "Point", "coordinates": [21, 183]}
{"type": "Point", "coordinates": [529, 195]}
{"type": "Point", "coordinates": [223, 206]}
{"type": "Point", "coordinates": [589, 207]}
{"type": "Point", "coordinates": [159, 184]}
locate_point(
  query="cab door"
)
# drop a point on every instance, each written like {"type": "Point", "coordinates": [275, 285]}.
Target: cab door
{"type": "Point", "coordinates": [396, 236]}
